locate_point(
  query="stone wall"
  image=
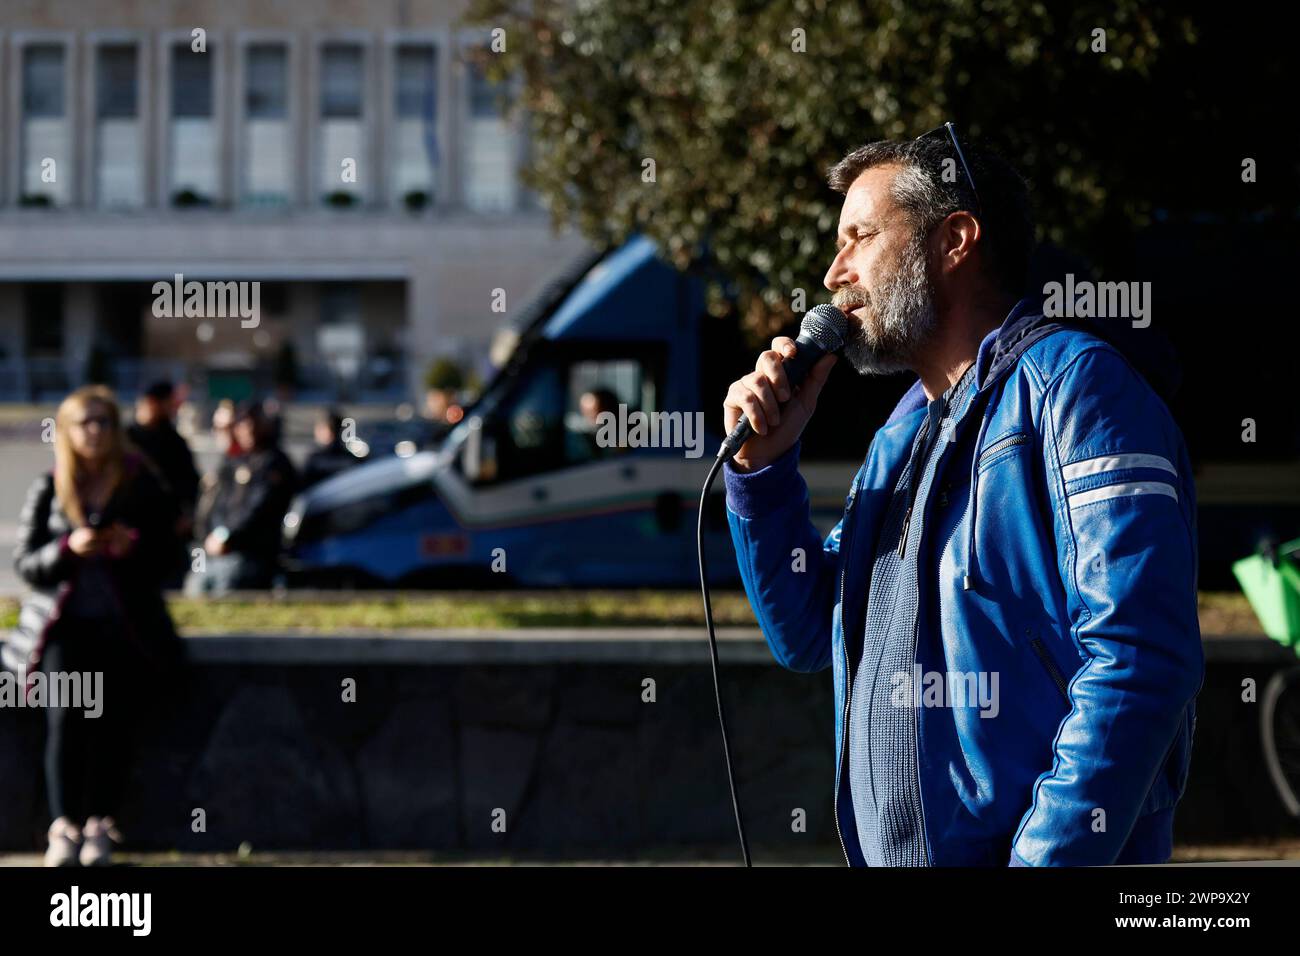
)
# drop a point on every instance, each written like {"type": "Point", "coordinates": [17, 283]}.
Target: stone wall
{"type": "Point", "coordinates": [582, 767]}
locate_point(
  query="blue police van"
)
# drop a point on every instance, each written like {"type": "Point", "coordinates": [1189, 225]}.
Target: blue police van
{"type": "Point", "coordinates": [519, 485]}
{"type": "Point", "coordinates": [521, 493]}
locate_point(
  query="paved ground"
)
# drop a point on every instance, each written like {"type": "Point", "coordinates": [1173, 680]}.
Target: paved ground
{"type": "Point", "coordinates": [1276, 854]}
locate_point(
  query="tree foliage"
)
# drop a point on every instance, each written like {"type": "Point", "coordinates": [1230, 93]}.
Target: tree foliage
{"type": "Point", "coordinates": [742, 124]}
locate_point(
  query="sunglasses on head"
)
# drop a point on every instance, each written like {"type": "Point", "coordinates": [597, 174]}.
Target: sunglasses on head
{"type": "Point", "coordinates": [952, 135]}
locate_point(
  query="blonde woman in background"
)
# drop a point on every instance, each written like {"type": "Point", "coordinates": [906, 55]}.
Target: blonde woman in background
{"type": "Point", "coordinates": [94, 543]}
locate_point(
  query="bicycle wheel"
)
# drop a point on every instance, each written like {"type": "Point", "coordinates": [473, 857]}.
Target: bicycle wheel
{"type": "Point", "coordinates": [1280, 735]}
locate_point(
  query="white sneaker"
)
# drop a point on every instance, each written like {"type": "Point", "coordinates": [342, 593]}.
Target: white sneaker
{"type": "Point", "coordinates": [99, 836]}
{"type": "Point", "coordinates": [65, 843]}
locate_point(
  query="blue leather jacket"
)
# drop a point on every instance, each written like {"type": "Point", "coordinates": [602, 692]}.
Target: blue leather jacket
{"type": "Point", "coordinates": [1061, 534]}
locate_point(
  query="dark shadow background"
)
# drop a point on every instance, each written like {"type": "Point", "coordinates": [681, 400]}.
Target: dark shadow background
{"type": "Point", "coordinates": [1221, 256]}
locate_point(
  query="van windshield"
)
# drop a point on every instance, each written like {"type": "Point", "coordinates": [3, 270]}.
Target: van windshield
{"type": "Point", "coordinates": [550, 415]}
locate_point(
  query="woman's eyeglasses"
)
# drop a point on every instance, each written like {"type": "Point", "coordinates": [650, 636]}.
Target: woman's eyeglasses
{"type": "Point", "coordinates": [952, 134]}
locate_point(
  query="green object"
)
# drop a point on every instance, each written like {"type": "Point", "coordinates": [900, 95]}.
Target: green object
{"type": "Point", "coordinates": [444, 373]}
{"type": "Point", "coordinates": [233, 384]}
{"type": "Point", "coordinates": [1274, 592]}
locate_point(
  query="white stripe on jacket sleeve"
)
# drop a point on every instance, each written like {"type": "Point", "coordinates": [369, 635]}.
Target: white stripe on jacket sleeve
{"type": "Point", "coordinates": [1120, 490]}
{"type": "Point", "coordinates": [1093, 466]}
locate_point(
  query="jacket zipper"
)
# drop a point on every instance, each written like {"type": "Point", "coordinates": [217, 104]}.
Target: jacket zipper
{"type": "Point", "coordinates": [944, 501]}
{"type": "Point", "coordinates": [924, 439]}
{"type": "Point", "coordinates": [1001, 443]}
{"type": "Point", "coordinates": [845, 538]}
{"type": "Point", "coordinates": [1050, 665]}
{"type": "Point", "coordinates": [848, 691]}
{"type": "Point", "coordinates": [916, 621]}
{"type": "Point", "coordinates": [927, 451]}
{"type": "Point", "coordinates": [952, 536]}
{"type": "Point", "coordinates": [930, 423]}
{"type": "Point", "coordinates": [916, 749]}
{"type": "Point", "coordinates": [902, 537]}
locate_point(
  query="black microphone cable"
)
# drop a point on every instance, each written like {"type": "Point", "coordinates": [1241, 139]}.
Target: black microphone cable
{"type": "Point", "coordinates": [822, 331]}
{"type": "Point", "coordinates": [713, 652]}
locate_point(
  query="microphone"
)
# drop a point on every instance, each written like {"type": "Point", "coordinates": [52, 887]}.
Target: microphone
{"type": "Point", "coordinates": [821, 332]}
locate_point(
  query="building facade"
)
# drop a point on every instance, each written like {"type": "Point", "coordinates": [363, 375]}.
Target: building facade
{"type": "Point", "coordinates": [350, 159]}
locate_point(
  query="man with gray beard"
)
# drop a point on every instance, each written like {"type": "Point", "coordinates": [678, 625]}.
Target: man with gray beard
{"type": "Point", "coordinates": [902, 318]}
{"type": "Point", "coordinates": [1027, 513]}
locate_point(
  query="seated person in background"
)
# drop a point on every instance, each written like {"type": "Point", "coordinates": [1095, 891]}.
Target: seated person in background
{"type": "Point", "coordinates": [592, 404]}
{"type": "Point", "coordinates": [243, 510]}
{"type": "Point", "coordinates": [332, 454]}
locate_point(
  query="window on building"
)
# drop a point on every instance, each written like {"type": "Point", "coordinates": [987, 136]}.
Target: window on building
{"type": "Point", "coordinates": [195, 179]}
{"type": "Point", "coordinates": [491, 147]}
{"type": "Point", "coordinates": [46, 368]}
{"type": "Point", "coordinates": [119, 159]}
{"type": "Point", "coordinates": [46, 134]}
{"type": "Point", "coordinates": [415, 140]}
{"type": "Point", "coordinates": [341, 334]}
{"type": "Point", "coordinates": [43, 319]}
{"type": "Point", "coordinates": [267, 139]}
{"type": "Point", "coordinates": [342, 83]}
{"type": "Point", "coordinates": [275, 298]}
{"type": "Point", "coordinates": [340, 304]}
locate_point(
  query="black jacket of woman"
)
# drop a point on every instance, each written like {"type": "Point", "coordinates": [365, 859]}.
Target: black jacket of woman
{"type": "Point", "coordinates": [44, 561]}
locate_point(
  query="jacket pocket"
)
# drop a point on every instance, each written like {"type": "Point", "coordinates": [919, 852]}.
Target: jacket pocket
{"type": "Point", "coordinates": [1049, 664]}
{"type": "Point", "coordinates": [1000, 448]}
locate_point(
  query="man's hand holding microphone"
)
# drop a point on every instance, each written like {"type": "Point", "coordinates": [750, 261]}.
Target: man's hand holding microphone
{"type": "Point", "coordinates": [766, 411]}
